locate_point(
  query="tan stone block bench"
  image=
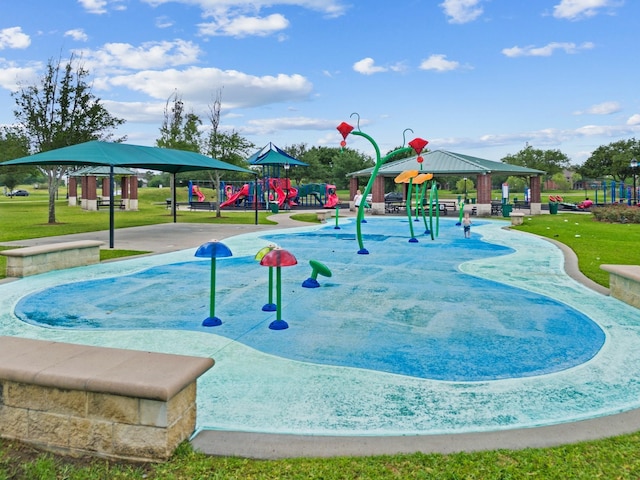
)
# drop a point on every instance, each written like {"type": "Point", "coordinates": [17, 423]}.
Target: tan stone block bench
{"type": "Point", "coordinates": [25, 261]}
{"type": "Point", "coordinates": [624, 283]}
{"type": "Point", "coordinates": [323, 215]}
{"type": "Point", "coordinates": [84, 400]}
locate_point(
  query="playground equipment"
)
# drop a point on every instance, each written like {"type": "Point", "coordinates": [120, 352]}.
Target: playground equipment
{"type": "Point", "coordinates": [278, 258]}
{"type": "Point", "coordinates": [417, 144]}
{"type": "Point", "coordinates": [195, 189]}
{"type": "Point", "coordinates": [317, 268]}
{"type": "Point", "coordinates": [213, 250]}
{"type": "Point", "coordinates": [269, 306]}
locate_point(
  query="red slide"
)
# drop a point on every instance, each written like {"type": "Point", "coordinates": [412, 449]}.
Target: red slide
{"type": "Point", "coordinates": [243, 192]}
{"type": "Point", "coordinates": [332, 201]}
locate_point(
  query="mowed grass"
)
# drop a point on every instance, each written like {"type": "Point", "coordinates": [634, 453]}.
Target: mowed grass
{"type": "Point", "coordinates": [595, 243]}
{"type": "Point", "coordinates": [613, 458]}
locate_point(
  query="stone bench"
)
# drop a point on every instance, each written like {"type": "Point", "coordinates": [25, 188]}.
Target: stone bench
{"type": "Point", "coordinates": [517, 218]}
{"type": "Point", "coordinates": [624, 283]}
{"type": "Point", "coordinates": [323, 215]}
{"type": "Point", "coordinates": [107, 402]}
{"type": "Point", "coordinates": [22, 262]}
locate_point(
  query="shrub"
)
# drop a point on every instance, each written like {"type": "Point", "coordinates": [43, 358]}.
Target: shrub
{"type": "Point", "coordinates": [617, 213]}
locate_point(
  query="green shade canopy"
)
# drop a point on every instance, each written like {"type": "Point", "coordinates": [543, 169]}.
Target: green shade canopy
{"type": "Point", "coordinates": [125, 155]}
{"type": "Point", "coordinates": [272, 155]}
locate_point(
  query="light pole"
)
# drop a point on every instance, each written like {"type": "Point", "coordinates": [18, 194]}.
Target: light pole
{"type": "Point", "coordinates": [465, 190]}
{"type": "Point", "coordinates": [286, 184]}
{"type": "Point", "coordinates": [634, 165]}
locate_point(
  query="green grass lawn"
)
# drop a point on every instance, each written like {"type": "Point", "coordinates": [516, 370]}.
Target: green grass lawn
{"type": "Point", "coordinates": [614, 458]}
{"type": "Point", "coordinates": [595, 243]}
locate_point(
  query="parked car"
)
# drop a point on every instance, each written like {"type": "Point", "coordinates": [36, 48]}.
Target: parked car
{"type": "Point", "coordinates": [393, 197]}
{"type": "Point", "coordinates": [19, 193]}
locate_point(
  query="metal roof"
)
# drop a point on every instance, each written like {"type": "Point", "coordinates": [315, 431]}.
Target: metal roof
{"type": "Point", "coordinates": [101, 171]}
{"type": "Point", "coordinates": [442, 162]}
{"type": "Point", "coordinates": [272, 155]}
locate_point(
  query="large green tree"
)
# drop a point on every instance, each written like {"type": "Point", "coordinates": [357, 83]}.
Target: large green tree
{"type": "Point", "coordinates": [61, 110]}
{"type": "Point", "coordinates": [13, 144]}
{"type": "Point", "coordinates": [550, 161]}
{"type": "Point", "coordinates": [612, 160]}
{"type": "Point", "coordinates": [328, 164]}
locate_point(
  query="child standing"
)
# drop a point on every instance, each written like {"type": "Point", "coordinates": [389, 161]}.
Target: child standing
{"type": "Point", "coordinates": [466, 225]}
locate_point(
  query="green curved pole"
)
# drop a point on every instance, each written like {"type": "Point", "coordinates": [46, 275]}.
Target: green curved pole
{"type": "Point", "coordinates": [423, 191]}
{"type": "Point", "coordinates": [367, 190]}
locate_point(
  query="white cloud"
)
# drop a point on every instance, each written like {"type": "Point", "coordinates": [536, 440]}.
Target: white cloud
{"type": "Point", "coordinates": [13, 37]}
{"type": "Point", "coordinates": [270, 126]}
{"type": "Point", "coordinates": [149, 55]}
{"type": "Point", "coordinates": [164, 22]}
{"type": "Point", "coordinates": [547, 50]}
{"type": "Point", "coordinates": [578, 9]}
{"type": "Point", "coordinates": [634, 119]}
{"type": "Point", "coordinates": [330, 8]}
{"type": "Point", "coordinates": [94, 6]}
{"type": "Point", "coordinates": [439, 63]}
{"type": "Point", "coordinates": [196, 85]}
{"type": "Point", "coordinates": [367, 66]}
{"type": "Point", "coordinates": [99, 7]}
{"type": "Point", "coordinates": [461, 11]}
{"type": "Point", "coordinates": [242, 26]}
{"type": "Point", "coordinates": [604, 108]}
{"type": "Point", "coordinates": [12, 76]}
{"type": "Point", "coordinates": [77, 34]}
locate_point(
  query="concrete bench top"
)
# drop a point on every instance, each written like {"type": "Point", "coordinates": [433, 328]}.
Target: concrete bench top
{"type": "Point", "coordinates": [632, 272]}
{"type": "Point", "coordinates": [131, 373]}
{"type": "Point", "coordinates": [52, 247]}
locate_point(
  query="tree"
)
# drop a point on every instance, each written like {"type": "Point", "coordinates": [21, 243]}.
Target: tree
{"type": "Point", "coordinates": [179, 130]}
{"type": "Point", "coordinates": [611, 160]}
{"type": "Point", "coordinates": [229, 147]}
{"type": "Point", "coordinates": [13, 144]}
{"type": "Point", "coordinates": [549, 161]}
{"type": "Point", "coordinates": [61, 111]}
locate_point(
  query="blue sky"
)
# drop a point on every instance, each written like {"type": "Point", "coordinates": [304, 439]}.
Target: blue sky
{"type": "Point", "coordinates": [479, 77]}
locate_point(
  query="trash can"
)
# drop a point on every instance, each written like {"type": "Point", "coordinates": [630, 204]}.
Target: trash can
{"type": "Point", "coordinates": [553, 208]}
{"type": "Point", "coordinates": [274, 207]}
{"type": "Point", "coordinates": [506, 209]}
{"type": "Point", "coordinates": [473, 201]}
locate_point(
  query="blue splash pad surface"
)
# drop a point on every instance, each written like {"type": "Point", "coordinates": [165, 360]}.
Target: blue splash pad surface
{"type": "Point", "coordinates": [405, 308]}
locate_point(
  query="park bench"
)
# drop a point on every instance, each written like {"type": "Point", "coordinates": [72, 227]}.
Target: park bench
{"type": "Point", "coordinates": [25, 261]}
{"type": "Point", "coordinates": [105, 203]}
{"type": "Point", "coordinates": [210, 206]}
{"type": "Point", "coordinates": [106, 402]}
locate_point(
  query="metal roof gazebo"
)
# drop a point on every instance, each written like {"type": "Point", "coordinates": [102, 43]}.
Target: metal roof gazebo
{"type": "Point", "coordinates": [442, 162]}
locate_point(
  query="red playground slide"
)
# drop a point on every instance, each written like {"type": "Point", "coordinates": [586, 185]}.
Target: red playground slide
{"type": "Point", "coordinates": [332, 201]}
{"type": "Point", "coordinates": [198, 193]}
{"type": "Point", "coordinates": [332, 197]}
{"type": "Point", "coordinates": [239, 195]}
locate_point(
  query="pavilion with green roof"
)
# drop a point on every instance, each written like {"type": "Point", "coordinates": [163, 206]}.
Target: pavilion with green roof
{"type": "Point", "coordinates": [444, 163]}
